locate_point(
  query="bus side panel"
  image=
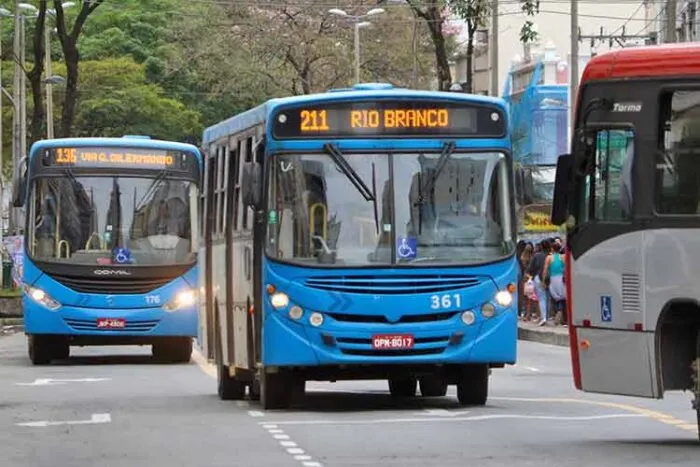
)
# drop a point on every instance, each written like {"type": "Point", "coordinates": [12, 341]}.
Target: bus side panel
{"type": "Point", "coordinates": [617, 362]}
{"type": "Point", "coordinates": [606, 293]}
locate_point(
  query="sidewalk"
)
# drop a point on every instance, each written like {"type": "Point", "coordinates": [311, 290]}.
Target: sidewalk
{"type": "Point", "coordinates": [550, 334]}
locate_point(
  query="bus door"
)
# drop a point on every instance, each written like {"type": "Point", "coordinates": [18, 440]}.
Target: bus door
{"type": "Point", "coordinates": [605, 241]}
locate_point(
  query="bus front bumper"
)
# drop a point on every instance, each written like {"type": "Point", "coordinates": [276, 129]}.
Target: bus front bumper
{"type": "Point", "coordinates": [145, 322]}
{"type": "Point", "coordinates": [297, 343]}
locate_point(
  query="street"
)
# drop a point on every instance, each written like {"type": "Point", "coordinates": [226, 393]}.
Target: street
{"type": "Point", "coordinates": [112, 407]}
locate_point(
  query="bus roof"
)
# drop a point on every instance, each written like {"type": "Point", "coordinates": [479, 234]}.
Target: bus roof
{"type": "Point", "coordinates": [680, 59]}
{"type": "Point", "coordinates": [126, 141]}
{"type": "Point", "coordinates": [260, 113]}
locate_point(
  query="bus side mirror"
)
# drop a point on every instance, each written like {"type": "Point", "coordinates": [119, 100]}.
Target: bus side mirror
{"type": "Point", "coordinates": [251, 185]}
{"type": "Point", "coordinates": [19, 187]}
{"type": "Point", "coordinates": [562, 185]}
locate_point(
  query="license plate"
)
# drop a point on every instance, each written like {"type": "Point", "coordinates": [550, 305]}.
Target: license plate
{"type": "Point", "coordinates": [111, 323]}
{"type": "Point", "coordinates": [392, 341]}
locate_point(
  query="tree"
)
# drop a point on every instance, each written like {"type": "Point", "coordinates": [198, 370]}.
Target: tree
{"type": "Point", "coordinates": [475, 15]}
{"type": "Point", "coordinates": [527, 31]}
{"type": "Point", "coordinates": [69, 44]}
{"type": "Point", "coordinates": [433, 12]}
{"type": "Point", "coordinates": [35, 74]}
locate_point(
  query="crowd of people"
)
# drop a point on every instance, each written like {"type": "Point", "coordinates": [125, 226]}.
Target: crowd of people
{"type": "Point", "coordinates": [542, 289]}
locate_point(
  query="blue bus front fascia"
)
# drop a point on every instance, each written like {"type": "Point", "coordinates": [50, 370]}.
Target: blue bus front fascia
{"type": "Point", "coordinates": [79, 312]}
{"type": "Point", "coordinates": [288, 342]}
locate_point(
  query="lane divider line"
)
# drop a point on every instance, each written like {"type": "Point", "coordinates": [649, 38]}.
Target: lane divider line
{"type": "Point", "coordinates": [289, 446]}
{"type": "Point", "coordinates": [210, 370]}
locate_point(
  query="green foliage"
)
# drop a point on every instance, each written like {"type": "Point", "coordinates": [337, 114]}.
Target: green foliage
{"type": "Point", "coordinates": [527, 32]}
{"type": "Point", "coordinates": [117, 100]}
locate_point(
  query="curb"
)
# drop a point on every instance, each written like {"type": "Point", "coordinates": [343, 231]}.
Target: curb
{"type": "Point", "coordinates": [11, 321]}
{"type": "Point", "coordinates": [543, 336]}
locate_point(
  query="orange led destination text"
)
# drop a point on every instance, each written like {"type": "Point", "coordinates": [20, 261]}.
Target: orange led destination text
{"type": "Point", "coordinates": [70, 156]}
{"type": "Point", "coordinates": [394, 118]}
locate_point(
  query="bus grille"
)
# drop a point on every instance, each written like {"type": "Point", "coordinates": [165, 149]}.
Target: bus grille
{"type": "Point", "coordinates": [111, 286]}
{"type": "Point", "coordinates": [424, 318]}
{"type": "Point", "coordinates": [392, 285]}
{"type": "Point", "coordinates": [91, 325]}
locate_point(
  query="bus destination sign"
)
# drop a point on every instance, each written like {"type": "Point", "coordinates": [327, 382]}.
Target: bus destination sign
{"type": "Point", "coordinates": [110, 157]}
{"type": "Point", "coordinates": [382, 118]}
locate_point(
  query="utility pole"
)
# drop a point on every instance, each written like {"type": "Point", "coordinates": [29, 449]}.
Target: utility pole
{"type": "Point", "coordinates": [16, 117]}
{"type": "Point", "coordinates": [573, 66]}
{"type": "Point", "coordinates": [494, 48]}
{"type": "Point", "coordinates": [670, 33]}
{"type": "Point", "coordinates": [49, 85]}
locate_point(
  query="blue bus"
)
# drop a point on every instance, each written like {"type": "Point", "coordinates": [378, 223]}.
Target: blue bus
{"type": "Point", "coordinates": [363, 233]}
{"type": "Point", "coordinates": [110, 245]}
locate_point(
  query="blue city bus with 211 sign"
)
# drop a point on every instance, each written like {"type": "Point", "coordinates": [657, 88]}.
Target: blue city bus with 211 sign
{"type": "Point", "coordinates": [110, 245]}
{"type": "Point", "coordinates": [363, 233]}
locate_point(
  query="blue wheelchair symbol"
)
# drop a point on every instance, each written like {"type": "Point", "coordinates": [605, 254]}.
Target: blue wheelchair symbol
{"type": "Point", "coordinates": [406, 247]}
{"type": "Point", "coordinates": [122, 256]}
{"type": "Point", "coordinates": [605, 308]}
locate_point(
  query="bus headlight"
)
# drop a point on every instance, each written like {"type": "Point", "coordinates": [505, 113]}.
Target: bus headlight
{"type": "Point", "coordinates": [488, 310]}
{"type": "Point", "coordinates": [183, 299]}
{"type": "Point", "coordinates": [279, 300]}
{"type": "Point", "coordinates": [316, 319]}
{"type": "Point", "coordinates": [468, 318]}
{"type": "Point", "coordinates": [296, 312]}
{"type": "Point", "coordinates": [504, 298]}
{"type": "Point", "coordinates": [42, 298]}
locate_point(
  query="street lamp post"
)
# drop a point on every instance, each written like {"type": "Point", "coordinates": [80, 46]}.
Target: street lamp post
{"type": "Point", "coordinates": [4, 13]}
{"type": "Point", "coordinates": [358, 23]}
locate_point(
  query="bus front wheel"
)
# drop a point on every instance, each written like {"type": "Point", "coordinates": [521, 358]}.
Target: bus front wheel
{"type": "Point", "coordinates": [41, 349]}
{"type": "Point", "coordinates": [473, 385]}
{"type": "Point", "coordinates": [276, 390]}
{"type": "Point", "coordinates": [174, 350]}
{"type": "Point", "coordinates": [403, 386]}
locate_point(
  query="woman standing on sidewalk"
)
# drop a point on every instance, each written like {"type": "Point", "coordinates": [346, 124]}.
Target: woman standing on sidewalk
{"type": "Point", "coordinates": [553, 274]}
{"type": "Point", "coordinates": [536, 271]}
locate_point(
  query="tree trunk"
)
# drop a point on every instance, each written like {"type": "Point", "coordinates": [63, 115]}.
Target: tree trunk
{"type": "Point", "coordinates": [470, 61]}
{"type": "Point", "coordinates": [441, 62]}
{"type": "Point", "coordinates": [70, 52]}
{"type": "Point", "coordinates": [34, 77]}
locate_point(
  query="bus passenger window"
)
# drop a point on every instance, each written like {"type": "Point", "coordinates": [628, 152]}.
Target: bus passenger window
{"type": "Point", "coordinates": [677, 165]}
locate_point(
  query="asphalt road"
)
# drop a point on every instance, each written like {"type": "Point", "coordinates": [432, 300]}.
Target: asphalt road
{"type": "Point", "coordinates": [112, 407]}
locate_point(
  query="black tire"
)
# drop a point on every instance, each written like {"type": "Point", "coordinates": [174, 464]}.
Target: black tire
{"type": "Point", "coordinates": [228, 387]}
{"type": "Point", "coordinates": [433, 386]}
{"type": "Point", "coordinates": [254, 390]}
{"type": "Point", "coordinates": [275, 390]}
{"type": "Point", "coordinates": [62, 350]}
{"type": "Point", "coordinates": [403, 386]}
{"type": "Point", "coordinates": [174, 350]}
{"type": "Point", "coordinates": [473, 385]}
{"type": "Point", "coordinates": [40, 349]}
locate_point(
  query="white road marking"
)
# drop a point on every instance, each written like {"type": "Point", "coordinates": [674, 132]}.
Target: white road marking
{"type": "Point", "coordinates": [96, 418]}
{"type": "Point", "coordinates": [442, 413]}
{"type": "Point", "coordinates": [255, 413]}
{"type": "Point", "coordinates": [290, 446]}
{"type": "Point", "coordinates": [53, 382]}
{"type": "Point", "coordinates": [460, 419]}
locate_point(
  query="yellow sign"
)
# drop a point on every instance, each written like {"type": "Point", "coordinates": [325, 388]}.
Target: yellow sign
{"type": "Point", "coordinates": [534, 220]}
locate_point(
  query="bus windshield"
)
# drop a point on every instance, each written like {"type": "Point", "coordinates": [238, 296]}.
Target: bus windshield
{"type": "Point", "coordinates": [112, 220]}
{"type": "Point", "coordinates": [421, 211]}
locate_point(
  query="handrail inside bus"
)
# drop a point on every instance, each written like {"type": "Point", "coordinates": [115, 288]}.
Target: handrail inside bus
{"type": "Point", "coordinates": [312, 221]}
{"type": "Point", "coordinates": [60, 244]}
{"type": "Point", "coordinates": [101, 243]}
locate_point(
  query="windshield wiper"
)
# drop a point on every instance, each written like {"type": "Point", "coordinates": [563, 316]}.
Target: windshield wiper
{"type": "Point", "coordinates": [349, 172]}
{"type": "Point", "coordinates": [424, 191]}
{"type": "Point", "coordinates": [161, 175]}
{"type": "Point", "coordinates": [355, 179]}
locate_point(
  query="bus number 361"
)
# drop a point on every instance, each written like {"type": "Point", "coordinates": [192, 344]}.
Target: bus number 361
{"type": "Point", "coordinates": [445, 301]}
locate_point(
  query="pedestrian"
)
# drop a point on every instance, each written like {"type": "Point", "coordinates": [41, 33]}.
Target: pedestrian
{"type": "Point", "coordinates": [535, 271]}
{"type": "Point", "coordinates": [553, 274]}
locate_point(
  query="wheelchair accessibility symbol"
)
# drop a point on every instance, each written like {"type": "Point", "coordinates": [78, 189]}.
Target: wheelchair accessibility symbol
{"type": "Point", "coordinates": [406, 247]}
{"type": "Point", "coordinates": [122, 256]}
{"type": "Point", "coordinates": [605, 308]}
